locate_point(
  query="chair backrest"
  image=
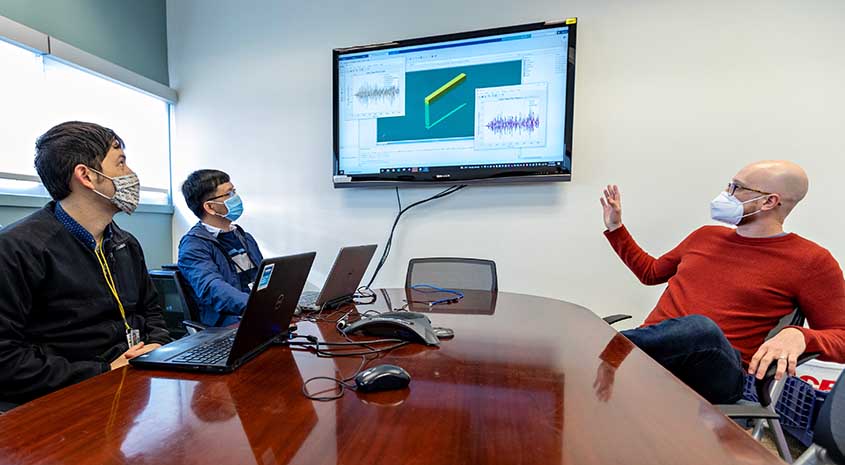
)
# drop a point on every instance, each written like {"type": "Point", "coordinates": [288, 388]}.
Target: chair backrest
{"type": "Point", "coordinates": [453, 273]}
{"type": "Point", "coordinates": [175, 302]}
{"type": "Point", "coordinates": [6, 406]}
{"type": "Point", "coordinates": [830, 425]}
{"type": "Point", "coordinates": [796, 318]}
{"type": "Point", "coordinates": [764, 386]}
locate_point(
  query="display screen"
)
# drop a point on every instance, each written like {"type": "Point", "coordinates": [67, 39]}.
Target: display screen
{"type": "Point", "coordinates": [493, 105]}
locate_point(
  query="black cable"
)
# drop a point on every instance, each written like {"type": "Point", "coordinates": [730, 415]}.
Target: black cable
{"type": "Point", "coordinates": [389, 243]}
{"type": "Point", "coordinates": [318, 315]}
{"type": "Point", "coordinates": [343, 383]}
{"type": "Point", "coordinates": [340, 353]}
{"type": "Point", "coordinates": [364, 293]}
{"type": "Point", "coordinates": [349, 343]}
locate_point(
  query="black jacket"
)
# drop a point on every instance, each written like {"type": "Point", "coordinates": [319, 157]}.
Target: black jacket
{"type": "Point", "coordinates": [59, 323]}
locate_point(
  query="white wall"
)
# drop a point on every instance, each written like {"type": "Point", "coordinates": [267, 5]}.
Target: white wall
{"type": "Point", "coordinates": [672, 98]}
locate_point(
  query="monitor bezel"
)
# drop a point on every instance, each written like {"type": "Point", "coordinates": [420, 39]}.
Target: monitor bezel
{"type": "Point", "coordinates": [436, 177]}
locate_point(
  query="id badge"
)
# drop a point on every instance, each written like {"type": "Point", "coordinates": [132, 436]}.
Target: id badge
{"type": "Point", "coordinates": [133, 337]}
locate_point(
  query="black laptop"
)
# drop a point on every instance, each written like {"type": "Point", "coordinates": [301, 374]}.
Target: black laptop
{"type": "Point", "coordinates": [268, 313]}
{"type": "Point", "coordinates": [343, 280]}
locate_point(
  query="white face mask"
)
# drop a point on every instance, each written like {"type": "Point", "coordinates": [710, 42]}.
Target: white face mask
{"type": "Point", "coordinates": [728, 209]}
{"type": "Point", "coordinates": [127, 191]}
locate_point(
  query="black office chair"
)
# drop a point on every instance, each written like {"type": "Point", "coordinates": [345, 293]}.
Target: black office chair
{"type": "Point", "coordinates": [453, 273]}
{"type": "Point", "coordinates": [829, 436]}
{"type": "Point", "coordinates": [6, 406]}
{"type": "Point", "coordinates": [463, 273]}
{"type": "Point", "coordinates": [611, 319]}
{"type": "Point", "coordinates": [769, 392]}
{"type": "Point", "coordinates": [180, 311]}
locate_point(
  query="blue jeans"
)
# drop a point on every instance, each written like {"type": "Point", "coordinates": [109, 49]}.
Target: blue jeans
{"type": "Point", "coordinates": [695, 350]}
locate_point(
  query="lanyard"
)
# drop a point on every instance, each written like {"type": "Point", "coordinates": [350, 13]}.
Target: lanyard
{"type": "Point", "coordinates": [229, 258]}
{"type": "Point", "coordinates": [104, 265]}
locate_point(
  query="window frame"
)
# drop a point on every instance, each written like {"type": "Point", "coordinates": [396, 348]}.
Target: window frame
{"type": "Point", "coordinates": [60, 52]}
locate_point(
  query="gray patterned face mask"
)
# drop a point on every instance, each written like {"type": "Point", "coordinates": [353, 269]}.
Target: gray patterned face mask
{"type": "Point", "coordinates": [127, 191]}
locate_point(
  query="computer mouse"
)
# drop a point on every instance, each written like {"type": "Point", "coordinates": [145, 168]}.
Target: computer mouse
{"type": "Point", "coordinates": [382, 378]}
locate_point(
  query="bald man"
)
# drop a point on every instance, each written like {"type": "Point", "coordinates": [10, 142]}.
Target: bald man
{"type": "Point", "coordinates": [728, 287]}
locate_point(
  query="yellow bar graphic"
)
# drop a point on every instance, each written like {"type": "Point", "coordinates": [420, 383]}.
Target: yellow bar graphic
{"type": "Point", "coordinates": [445, 87]}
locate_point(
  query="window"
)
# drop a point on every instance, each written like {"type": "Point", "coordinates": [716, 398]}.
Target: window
{"type": "Point", "coordinates": [38, 92]}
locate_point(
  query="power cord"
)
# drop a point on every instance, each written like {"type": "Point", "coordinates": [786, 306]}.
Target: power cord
{"type": "Point", "coordinates": [386, 252]}
{"type": "Point", "coordinates": [342, 383]}
{"type": "Point", "coordinates": [369, 297]}
{"type": "Point", "coordinates": [341, 349]}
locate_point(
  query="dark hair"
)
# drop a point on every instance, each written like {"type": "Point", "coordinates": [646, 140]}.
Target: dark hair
{"type": "Point", "coordinates": [60, 149]}
{"type": "Point", "coordinates": [199, 186]}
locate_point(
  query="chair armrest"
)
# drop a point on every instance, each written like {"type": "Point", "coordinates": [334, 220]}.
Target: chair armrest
{"type": "Point", "coordinates": [611, 319]}
{"type": "Point", "coordinates": [746, 411]}
{"type": "Point", "coordinates": [193, 326]}
{"type": "Point", "coordinates": [763, 386]}
{"type": "Point", "coordinates": [6, 406]}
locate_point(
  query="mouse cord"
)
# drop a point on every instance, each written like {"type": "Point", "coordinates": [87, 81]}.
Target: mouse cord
{"type": "Point", "coordinates": [343, 383]}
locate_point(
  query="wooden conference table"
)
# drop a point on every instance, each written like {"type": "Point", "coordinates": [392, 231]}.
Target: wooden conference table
{"type": "Point", "coordinates": [522, 381]}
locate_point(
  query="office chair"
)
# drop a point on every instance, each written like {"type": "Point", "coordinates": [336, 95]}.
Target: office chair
{"type": "Point", "coordinates": [180, 311]}
{"type": "Point", "coordinates": [463, 273]}
{"type": "Point", "coordinates": [768, 390]}
{"type": "Point", "coordinates": [611, 319]}
{"type": "Point", "coordinates": [6, 406]}
{"type": "Point", "coordinates": [829, 436]}
{"type": "Point", "coordinates": [453, 273]}
{"type": "Point", "coordinates": [768, 393]}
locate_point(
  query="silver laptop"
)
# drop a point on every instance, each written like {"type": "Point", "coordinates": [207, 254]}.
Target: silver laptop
{"type": "Point", "coordinates": [343, 280]}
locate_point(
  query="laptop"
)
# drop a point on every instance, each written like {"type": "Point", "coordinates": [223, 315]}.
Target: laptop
{"type": "Point", "coordinates": [267, 315]}
{"type": "Point", "coordinates": [343, 280]}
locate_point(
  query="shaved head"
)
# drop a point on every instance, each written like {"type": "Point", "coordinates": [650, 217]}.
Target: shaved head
{"type": "Point", "coordinates": [781, 177]}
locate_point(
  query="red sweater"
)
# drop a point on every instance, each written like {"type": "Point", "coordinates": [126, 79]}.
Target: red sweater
{"type": "Point", "coordinates": [745, 285]}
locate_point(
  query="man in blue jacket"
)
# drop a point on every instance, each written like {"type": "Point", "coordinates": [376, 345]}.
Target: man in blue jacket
{"type": "Point", "coordinates": [217, 257]}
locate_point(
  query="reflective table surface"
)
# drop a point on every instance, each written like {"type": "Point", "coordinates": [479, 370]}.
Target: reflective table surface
{"type": "Point", "coordinates": [524, 380]}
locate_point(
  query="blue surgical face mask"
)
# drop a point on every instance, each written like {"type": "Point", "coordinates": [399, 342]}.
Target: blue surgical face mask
{"type": "Point", "coordinates": [728, 209]}
{"type": "Point", "coordinates": [234, 208]}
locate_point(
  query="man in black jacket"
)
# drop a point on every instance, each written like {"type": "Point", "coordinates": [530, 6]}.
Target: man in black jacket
{"type": "Point", "coordinates": [76, 297]}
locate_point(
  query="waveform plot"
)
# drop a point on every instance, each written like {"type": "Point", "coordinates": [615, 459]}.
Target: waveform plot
{"type": "Point", "coordinates": [370, 93]}
{"type": "Point", "coordinates": [509, 125]}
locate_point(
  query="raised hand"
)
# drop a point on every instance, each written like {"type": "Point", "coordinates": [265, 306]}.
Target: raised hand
{"type": "Point", "coordinates": [611, 203]}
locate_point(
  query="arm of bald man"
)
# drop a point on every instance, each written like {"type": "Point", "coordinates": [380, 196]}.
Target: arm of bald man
{"type": "Point", "coordinates": [821, 297]}
{"type": "Point", "coordinates": [648, 269]}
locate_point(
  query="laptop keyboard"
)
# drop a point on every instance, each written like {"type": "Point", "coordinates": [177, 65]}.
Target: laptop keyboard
{"type": "Point", "coordinates": [210, 353]}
